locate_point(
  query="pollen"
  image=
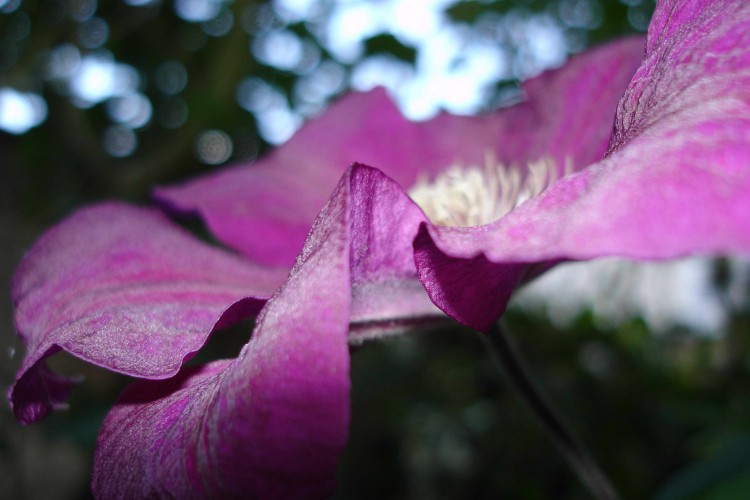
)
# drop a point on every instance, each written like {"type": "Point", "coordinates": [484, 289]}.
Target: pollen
{"type": "Point", "coordinates": [474, 196]}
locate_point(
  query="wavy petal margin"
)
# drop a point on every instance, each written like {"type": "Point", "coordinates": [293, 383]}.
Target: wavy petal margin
{"type": "Point", "coordinates": [125, 289]}
{"type": "Point", "coordinates": [272, 423]}
{"type": "Point", "coordinates": [676, 181]}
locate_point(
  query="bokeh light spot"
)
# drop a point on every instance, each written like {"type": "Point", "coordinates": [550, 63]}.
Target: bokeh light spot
{"type": "Point", "coordinates": [132, 110]}
{"type": "Point", "coordinates": [277, 125]}
{"type": "Point", "coordinates": [312, 90]}
{"type": "Point", "coordinates": [294, 11]}
{"type": "Point", "coordinates": [62, 61]}
{"type": "Point", "coordinates": [381, 70]}
{"type": "Point", "coordinates": [98, 77]}
{"type": "Point", "coordinates": [349, 25]}
{"type": "Point", "coordinates": [8, 6]}
{"type": "Point", "coordinates": [213, 147]}
{"type": "Point", "coordinates": [140, 3]}
{"type": "Point", "coordinates": [197, 11]}
{"type": "Point", "coordinates": [255, 95]}
{"type": "Point", "coordinates": [20, 111]}
{"type": "Point", "coordinates": [279, 48]}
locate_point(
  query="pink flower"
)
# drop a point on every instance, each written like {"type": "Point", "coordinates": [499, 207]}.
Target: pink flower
{"type": "Point", "coordinates": [543, 181]}
{"type": "Point", "coordinates": [675, 179]}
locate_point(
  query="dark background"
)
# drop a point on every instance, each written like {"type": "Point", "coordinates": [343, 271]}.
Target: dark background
{"type": "Point", "coordinates": [188, 86]}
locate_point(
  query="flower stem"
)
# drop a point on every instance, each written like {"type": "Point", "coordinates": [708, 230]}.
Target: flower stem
{"type": "Point", "coordinates": [575, 453]}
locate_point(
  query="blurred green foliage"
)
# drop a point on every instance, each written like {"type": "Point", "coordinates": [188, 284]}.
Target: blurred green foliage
{"type": "Point", "coordinates": [62, 163]}
{"type": "Point", "coordinates": [433, 418]}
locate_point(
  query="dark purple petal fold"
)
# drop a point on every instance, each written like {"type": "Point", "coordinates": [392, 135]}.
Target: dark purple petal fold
{"type": "Point", "coordinates": [125, 289]}
{"type": "Point", "coordinates": [675, 182]}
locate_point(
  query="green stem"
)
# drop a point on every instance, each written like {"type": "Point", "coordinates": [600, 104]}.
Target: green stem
{"type": "Point", "coordinates": [575, 453]}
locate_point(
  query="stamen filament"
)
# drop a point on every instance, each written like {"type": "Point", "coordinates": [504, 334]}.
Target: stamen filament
{"type": "Point", "coordinates": [474, 196]}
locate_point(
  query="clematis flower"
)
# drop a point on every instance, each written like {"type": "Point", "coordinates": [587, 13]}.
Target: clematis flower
{"type": "Point", "coordinates": [675, 179]}
{"type": "Point", "coordinates": [328, 254]}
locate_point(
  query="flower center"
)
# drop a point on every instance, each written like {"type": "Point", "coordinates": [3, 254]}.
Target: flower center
{"type": "Point", "coordinates": [473, 196]}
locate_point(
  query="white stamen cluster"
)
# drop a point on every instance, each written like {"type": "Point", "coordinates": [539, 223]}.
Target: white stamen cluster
{"type": "Point", "coordinates": [473, 196]}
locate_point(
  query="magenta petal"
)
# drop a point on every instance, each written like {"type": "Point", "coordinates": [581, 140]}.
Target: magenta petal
{"type": "Point", "coordinates": [133, 441]}
{"type": "Point", "coordinates": [567, 115]}
{"type": "Point", "coordinates": [125, 289]}
{"type": "Point", "coordinates": [270, 424]}
{"type": "Point", "coordinates": [39, 391]}
{"type": "Point", "coordinates": [677, 180]}
{"type": "Point", "coordinates": [386, 295]}
{"type": "Point", "coordinates": [266, 209]}
{"type": "Point", "coordinates": [472, 290]}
